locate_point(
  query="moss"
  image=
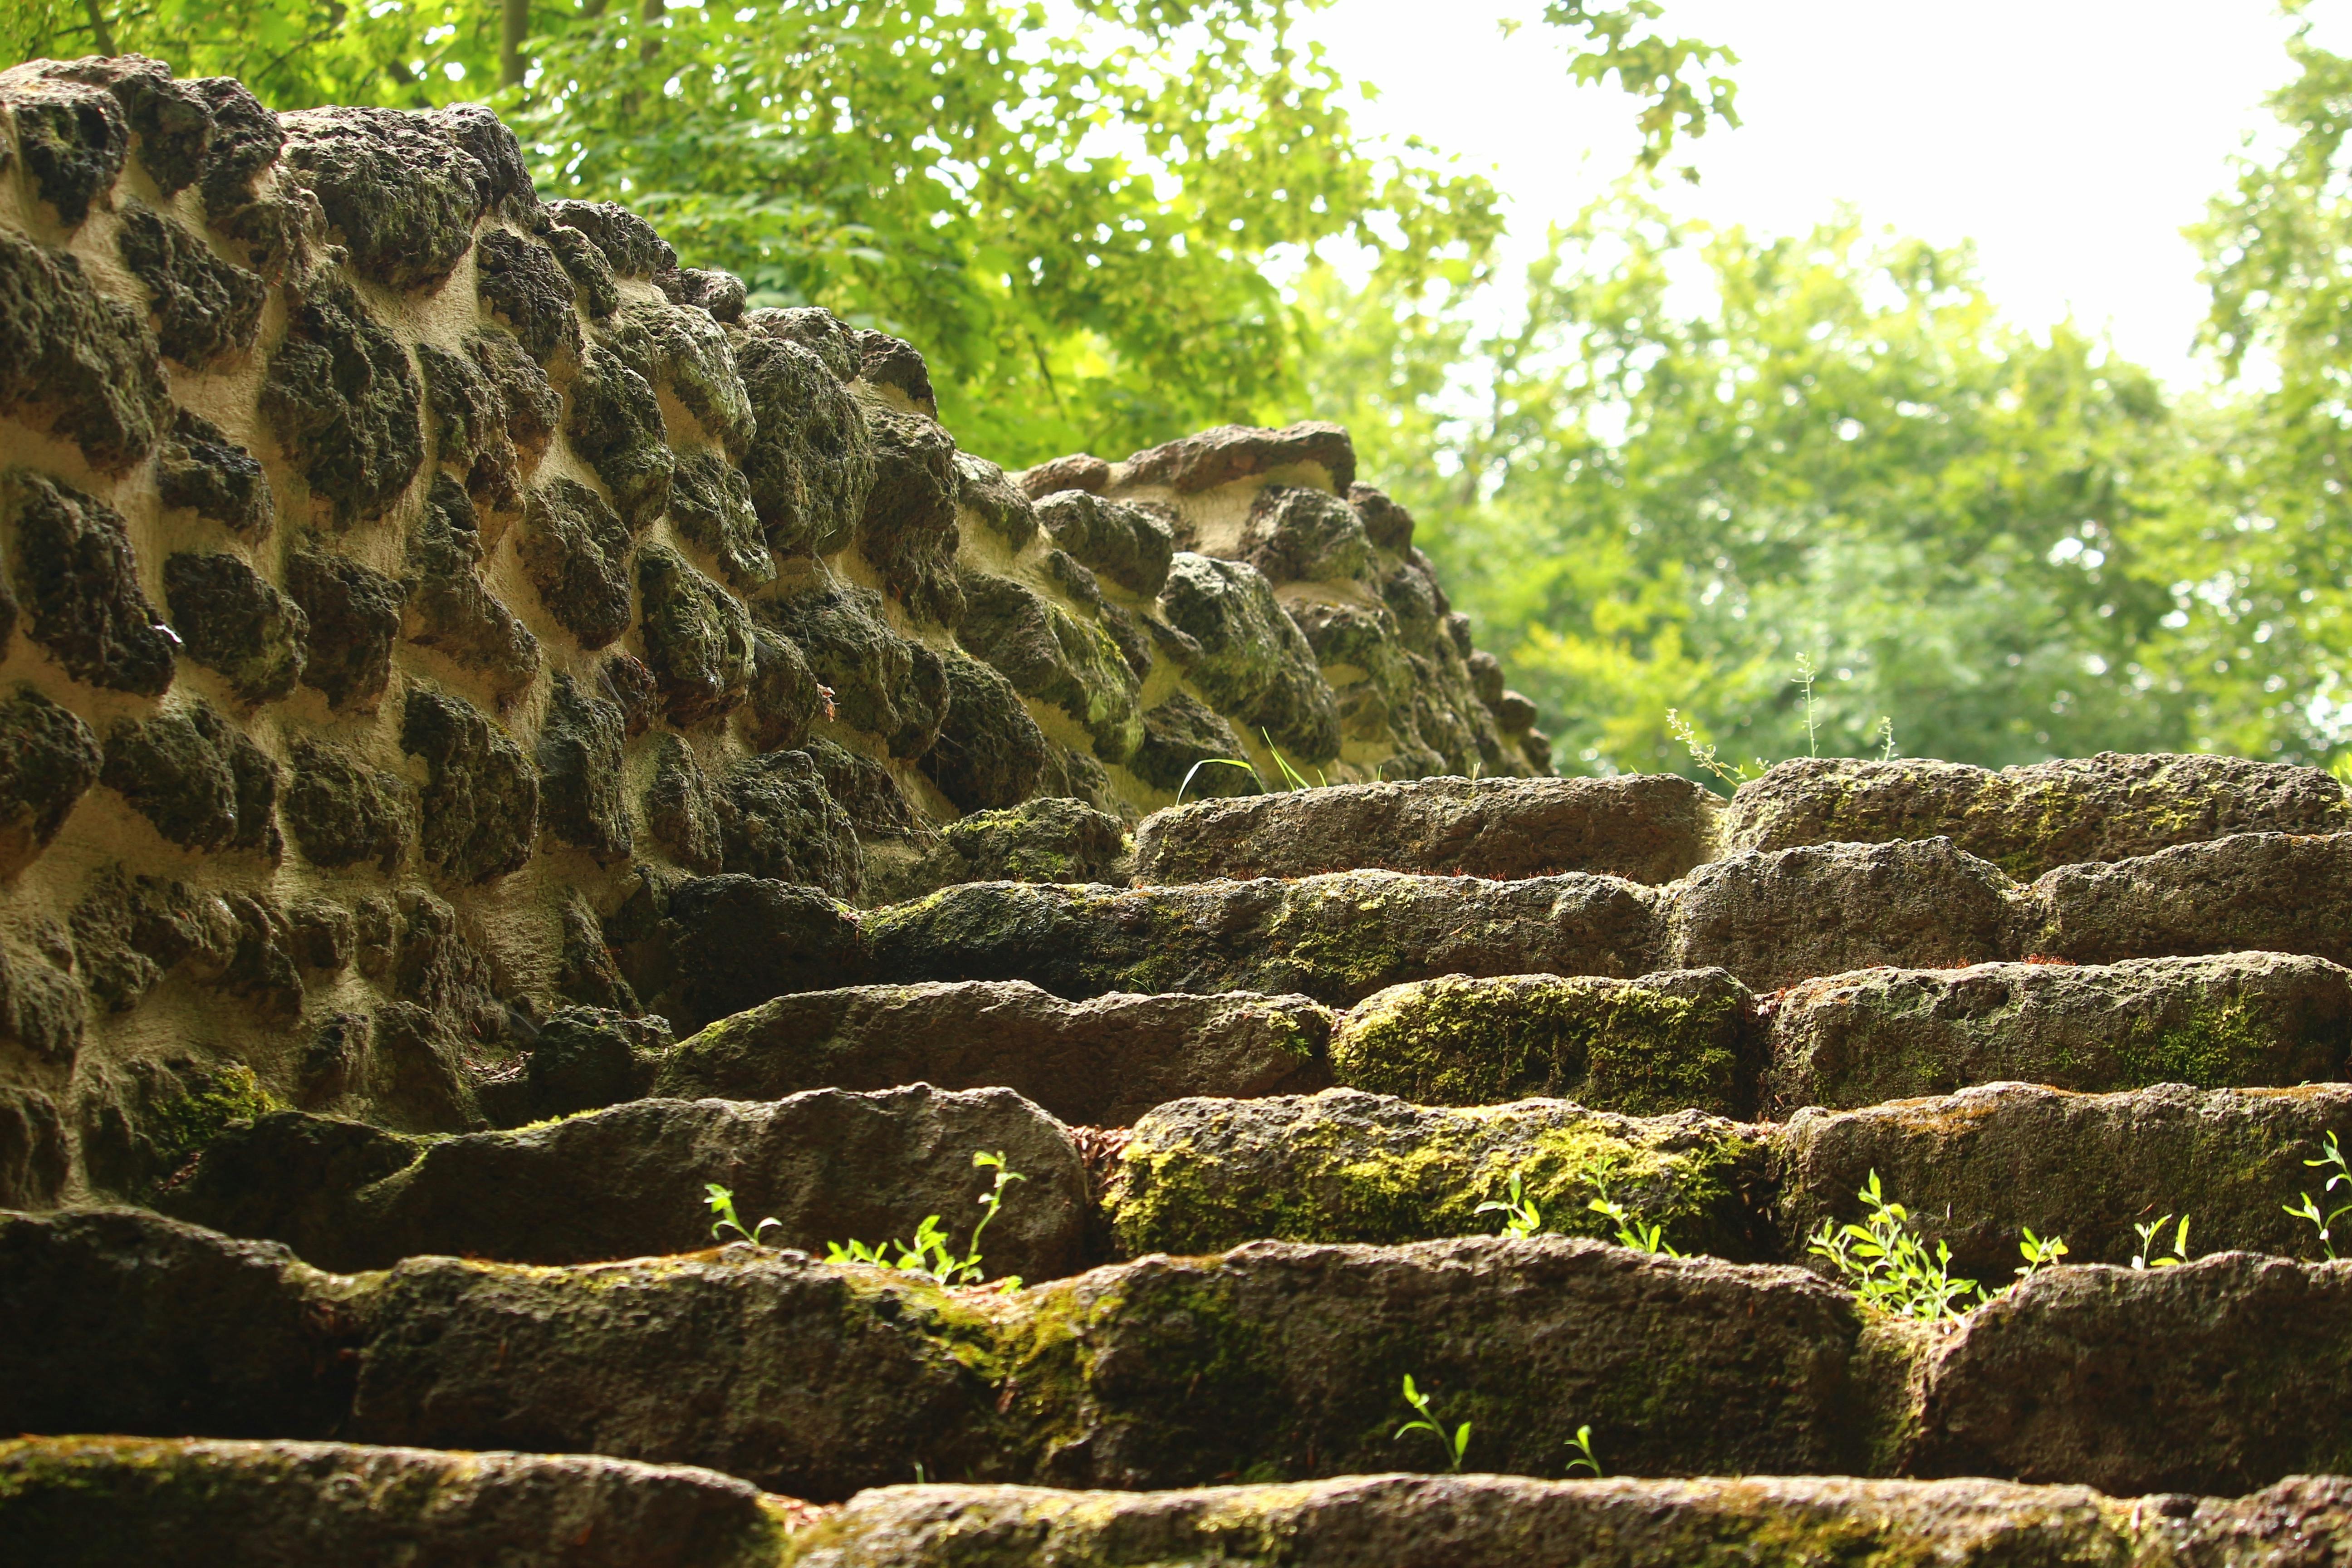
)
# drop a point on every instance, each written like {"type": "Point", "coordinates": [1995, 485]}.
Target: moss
{"type": "Point", "coordinates": [180, 1125]}
{"type": "Point", "coordinates": [2212, 1049]}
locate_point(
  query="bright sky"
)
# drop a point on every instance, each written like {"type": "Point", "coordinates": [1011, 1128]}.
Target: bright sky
{"type": "Point", "coordinates": [2071, 138]}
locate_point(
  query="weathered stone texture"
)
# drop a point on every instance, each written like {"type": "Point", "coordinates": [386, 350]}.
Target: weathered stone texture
{"type": "Point", "coordinates": [230, 619]}
{"type": "Point", "coordinates": [342, 399]}
{"type": "Point", "coordinates": [697, 639]}
{"type": "Point", "coordinates": [204, 307]}
{"type": "Point", "coordinates": [575, 550]}
{"type": "Point", "coordinates": [480, 803]}
{"type": "Point", "coordinates": [71, 565]}
{"type": "Point", "coordinates": [201, 468]}
{"type": "Point", "coordinates": [355, 613]}
{"type": "Point", "coordinates": [75, 362]}
{"type": "Point", "coordinates": [400, 193]}
{"type": "Point", "coordinates": [1233, 452]}
{"type": "Point", "coordinates": [2284, 892]}
{"type": "Point", "coordinates": [48, 758]}
{"type": "Point", "coordinates": [1254, 664]}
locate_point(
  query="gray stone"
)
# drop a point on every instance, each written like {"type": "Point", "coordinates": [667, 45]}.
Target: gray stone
{"type": "Point", "coordinates": [598, 291]}
{"type": "Point", "coordinates": [1386, 522]}
{"type": "Point", "coordinates": [231, 620]}
{"type": "Point", "coordinates": [1050, 840]}
{"type": "Point", "coordinates": [834, 343]}
{"type": "Point", "coordinates": [579, 758]}
{"type": "Point", "coordinates": [907, 532]}
{"type": "Point", "coordinates": [1336, 938]}
{"type": "Point", "coordinates": [341, 396]}
{"type": "Point", "coordinates": [811, 462]}
{"type": "Point", "coordinates": [1124, 543]}
{"type": "Point", "coordinates": [74, 572]}
{"type": "Point", "coordinates": [710, 506]}
{"type": "Point", "coordinates": [575, 551]}
{"type": "Point", "coordinates": [533, 408]}
{"type": "Point", "coordinates": [75, 138]}
{"type": "Point", "coordinates": [587, 971]}
{"type": "Point", "coordinates": [616, 426]}
{"type": "Point", "coordinates": [785, 697]}
{"type": "Point", "coordinates": [681, 808]}
{"type": "Point", "coordinates": [1682, 1039]}
{"type": "Point", "coordinates": [2029, 820]}
{"type": "Point", "coordinates": [697, 639]}
{"type": "Point", "coordinates": [41, 1005]}
{"type": "Point", "coordinates": [628, 241]}
{"type": "Point", "coordinates": [451, 610]}
{"type": "Point", "coordinates": [201, 468]}
{"type": "Point", "coordinates": [48, 760]}
{"type": "Point", "coordinates": [182, 1501]}
{"type": "Point", "coordinates": [1778, 917]}
{"type": "Point", "coordinates": [1079, 471]}
{"type": "Point", "coordinates": [198, 778]}
{"type": "Point", "coordinates": [245, 138]}
{"type": "Point", "coordinates": [720, 945]}
{"type": "Point", "coordinates": [1181, 735]}
{"type": "Point", "coordinates": [480, 802]}
{"type": "Point", "coordinates": [2284, 892]}
{"type": "Point", "coordinates": [881, 683]}
{"type": "Point", "coordinates": [75, 362]}
{"type": "Point", "coordinates": [584, 1058]}
{"type": "Point", "coordinates": [1103, 1062]}
{"type": "Point", "coordinates": [720, 294]}
{"type": "Point", "coordinates": [355, 613]}
{"type": "Point", "coordinates": [401, 194]}
{"type": "Point", "coordinates": [170, 119]}
{"type": "Point", "coordinates": [1297, 533]}
{"type": "Point", "coordinates": [886, 361]}
{"type": "Point", "coordinates": [997, 500]}
{"type": "Point", "coordinates": [777, 821]}
{"type": "Point", "coordinates": [2254, 1018]}
{"type": "Point", "coordinates": [1254, 664]}
{"type": "Point", "coordinates": [470, 437]}
{"type": "Point", "coordinates": [1233, 452]}
{"type": "Point", "coordinates": [1979, 1167]}
{"type": "Point", "coordinates": [989, 754]}
{"type": "Point", "coordinates": [685, 353]}
{"type": "Point", "coordinates": [1055, 657]}
{"type": "Point", "coordinates": [521, 286]}
{"type": "Point", "coordinates": [411, 1075]}
{"type": "Point", "coordinates": [32, 1149]}
{"type": "Point", "coordinates": [142, 1119]}
{"type": "Point", "coordinates": [1647, 827]}
{"type": "Point", "coordinates": [204, 307]}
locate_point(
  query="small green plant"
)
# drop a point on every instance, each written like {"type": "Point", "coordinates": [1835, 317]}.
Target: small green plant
{"type": "Point", "coordinates": [1217, 763]}
{"type": "Point", "coordinates": [1631, 1232]}
{"type": "Point", "coordinates": [2339, 1174]}
{"type": "Point", "coordinates": [1704, 752]}
{"type": "Point", "coordinates": [928, 1254]}
{"type": "Point", "coordinates": [1804, 680]}
{"type": "Point", "coordinates": [1887, 737]}
{"type": "Point", "coordinates": [1456, 1445]}
{"type": "Point", "coordinates": [2038, 1254]}
{"type": "Point", "coordinates": [1291, 776]}
{"type": "Point", "coordinates": [1585, 1459]}
{"type": "Point", "coordinates": [1520, 1215]}
{"type": "Point", "coordinates": [2150, 1232]}
{"type": "Point", "coordinates": [722, 1204]}
{"type": "Point", "coordinates": [1890, 1268]}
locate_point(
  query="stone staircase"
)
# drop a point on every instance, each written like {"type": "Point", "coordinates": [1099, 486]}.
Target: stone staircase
{"type": "Point", "coordinates": [650, 757]}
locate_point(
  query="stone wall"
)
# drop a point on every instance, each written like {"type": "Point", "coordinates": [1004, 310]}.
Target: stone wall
{"type": "Point", "coordinates": [410, 586]}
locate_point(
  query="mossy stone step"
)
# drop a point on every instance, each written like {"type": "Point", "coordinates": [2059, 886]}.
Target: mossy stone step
{"type": "Point", "coordinates": [99, 1502]}
{"type": "Point", "coordinates": [1645, 827]}
{"type": "Point", "coordinates": [628, 1181]}
{"type": "Point", "coordinates": [1274, 1360]}
{"type": "Point", "coordinates": [1103, 1062]}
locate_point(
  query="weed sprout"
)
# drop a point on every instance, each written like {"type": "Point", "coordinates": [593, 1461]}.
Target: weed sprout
{"type": "Point", "coordinates": [1585, 1459]}
{"type": "Point", "coordinates": [928, 1254]}
{"type": "Point", "coordinates": [2149, 1234]}
{"type": "Point", "coordinates": [722, 1204]}
{"type": "Point", "coordinates": [1456, 1445]}
{"type": "Point", "coordinates": [2324, 1220]}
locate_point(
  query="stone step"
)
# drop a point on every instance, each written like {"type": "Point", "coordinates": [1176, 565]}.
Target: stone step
{"type": "Point", "coordinates": [1975, 1169]}
{"type": "Point", "coordinates": [1657, 827]}
{"type": "Point", "coordinates": [1274, 1360]}
{"type": "Point", "coordinates": [97, 1502]}
{"type": "Point", "coordinates": [105, 1500]}
{"type": "Point", "coordinates": [628, 1181]}
{"type": "Point", "coordinates": [1773, 919]}
{"type": "Point", "coordinates": [1101, 1062]}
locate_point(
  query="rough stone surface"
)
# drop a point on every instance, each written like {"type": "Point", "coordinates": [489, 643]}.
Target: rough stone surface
{"type": "Point", "coordinates": [204, 307]}
{"type": "Point", "coordinates": [230, 619]}
{"type": "Point", "coordinates": [616, 426]}
{"type": "Point", "coordinates": [1124, 543]}
{"type": "Point", "coordinates": [345, 812]}
{"type": "Point", "coordinates": [342, 399]}
{"type": "Point", "coordinates": [1233, 452]}
{"type": "Point", "coordinates": [627, 1182]}
{"type": "Point", "coordinates": [2284, 892]}
{"type": "Point", "coordinates": [1646, 1046]}
{"type": "Point", "coordinates": [1055, 657]}
{"type": "Point", "coordinates": [907, 532]}
{"type": "Point", "coordinates": [471, 437]}
{"type": "Point", "coordinates": [73, 571]}
{"type": "Point", "coordinates": [399, 193]}
{"type": "Point", "coordinates": [522, 287]}
{"type": "Point", "coordinates": [1202, 1176]}
{"type": "Point", "coordinates": [579, 758]}
{"type": "Point", "coordinates": [1646, 828]}
{"type": "Point", "coordinates": [575, 550]}
{"type": "Point", "coordinates": [1079, 471]}
{"type": "Point", "coordinates": [201, 468]}
{"type": "Point", "coordinates": [881, 683]}
{"type": "Point", "coordinates": [785, 697]}
{"type": "Point", "coordinates": [1181, 735]}
{"type": "Point", "coordinates": [2029, 820]}
{"type": "Point", "coordinates": [1775, 918]}
{"type": "Point", "coordinates": [720, 294]}
{"type": "Point", "coordinates": [1298, 533]}
{"type": "Point", "coordinates": [480, 802]}
{"type": "Point", "coordinates": [76, 362]}
{"type": "Point", "coordinates": [48, 758]}
{"type": "Point", "coordinates": [171, 120]}
{"type": "Point", "coordinates": [811, 461]}
{"type": "Point", "coordinates": [989, 754]}
{"type": "Point", "coordinates": [1103, 1062]}
{"type": "Point", "coordinates": [2240, 1019]}
{"type": "Point", "coordinates": [697, 639]}
{"type": "Point", "coordinates": [710, 506]}
{"type": "Point", "coordinates": [1254, 664]}
{"type": "Point", "coordinates": [682, 809]}
{"type": "Point", "coordinates": [1386, 524]}
{"type": "Point", "coordinates": [776, 820]}
{"type": "Point", "coordinates": [355, 613]}
{"type": "Point", "coordinates": [628, 241]}
{"type": "Point", "coordinates": [451, 610]}
{"type": "Point", "coordinates": [1337, 938]}
{"type": "Point", "coordinates": [716, 945]}
{"type": "Point", "coordinates": [33, 1161]}
{"type": "Point", "coordinates": [1979, 1165]}
{"type": "Point", "coordinates": [172, 1503]}
{"type": "Point", "coordinates": [2221, 1376]}
{"type": "Point", "coordinates": [75, 140]}
{"type": "Point", "coordinates": [41, 1004]}
{"type": "Point", "coordinates": [199, 780]}
{"type": "Point", "coordinates": [997, 500]}
{"type": "Point", "coordinates": [591, 274]}
{"type": "Point", "coordinates": [1055, 840]}
{"type": "Point", "coordinates": [685, 353]}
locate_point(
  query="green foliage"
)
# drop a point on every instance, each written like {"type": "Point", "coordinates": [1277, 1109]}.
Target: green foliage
{"type": "Point", "coordinates": [1639, 1234]}
{"type": "Point", "coordinates": [2324, 1220]}
{"type": "Point", "coordinates": [2150, 1235]}
{"type": "Point", "coordinates": [722, 1204]}
{"type": "Point", "coordinates": [1889, 1267]}
{"type": "Point", "coordinates": [1217, 763]}
{"type": "Point", "coordinates": [2038, 1254]}
{"type": "Point", "coordinates": [1455, 1444]}
{"type": "Point", "coordinates": [1521, 1217]}
{"type": "Point", "coordinates": [928, 1254]}
{"type": "Point", "coordinates": [1585, 1460]}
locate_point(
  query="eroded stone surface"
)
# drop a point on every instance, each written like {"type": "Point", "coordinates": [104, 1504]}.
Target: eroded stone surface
{"type": "Point", "coordinates": [1101, 1062]}
{"type": "Point", "coordinates": [616, 426]}
{"type": "Point", "coordinates": [777, 820]}
{"type": "Point", "coordinates": [579, 763]}
{"type": "Point", "coordinates": [628, 241]}
{"type": "Point", "coordinates": [522, 286]}
{"type": "Point", "coordinates": [2284, 892]}
{"type": "Point", "coordinates": [355, 613]}
{"type": "Point", "coordinates": [448, 606]}
{"type": "Point", "coordinates": [204, 307]}
{"type": "Point", "coordinates": [1187, 747]}
{"type": "Point", "coordinates": [71, 565]}
{"type": "Point", "coordinates": [907, 529]}
{"type": "Point", "coordinates": [1254, 664]}
{"type": "Point", "coordinates": [201, 468]}
{"type": "Point", "coordinates": [75, 138]}
{"type": "Point", "coordinates": [198, 777]}
{"type": "Point", "coordinates": [697, 639]}
{"type": "Point", "coordinates": [881, 682]}
{"type": "Point", "coordinates": [1057, 656]}
{"type": "Point", "coordinates": [1233, 452]}
{"type": "Point", "coordinates": [78, 363]}
{"type": "Point", "coordinates": [1124, 543]}
{"type": "Point", "coordinates": [1295, 533]}
{"type": "Point", "coordinates": [33, 1161]}
{"type": "Point", "coordinates": [575, 550]}
{"type": "Point", "coordinates": [230, 619]}
{"type": "Point", "coordinates": [342, 399]}
{"type": "Point", "coordinates": [989, 753]}
{"type": "Point", "coordinates": [710, 946]}
{"type": "Point", "coordinates": [710, 506]}
{"type": "Point", "coordinates": [811, 462]}
{"type": "Point", "coordinates": [480, 803]}
{"type": "Point", "coordinates": [685, 353]}
{"type": "Point", "coordinates": [401, 193]}
{"type": "Point", "coordinates": [48, 758]}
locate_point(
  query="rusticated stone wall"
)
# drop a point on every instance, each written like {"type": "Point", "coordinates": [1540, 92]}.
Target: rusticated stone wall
{"type": "Point", "coordinates": [417, 596]}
